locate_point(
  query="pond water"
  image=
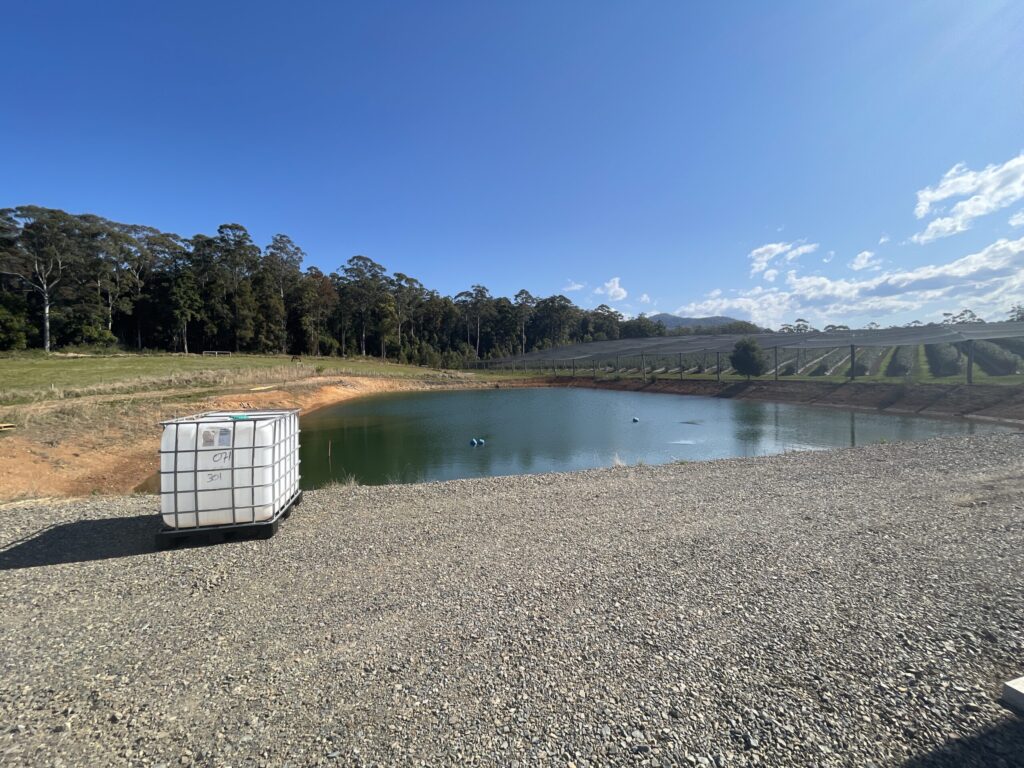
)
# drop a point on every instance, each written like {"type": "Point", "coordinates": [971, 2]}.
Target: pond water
{"type": "Point", "coordinates": [413, 437]}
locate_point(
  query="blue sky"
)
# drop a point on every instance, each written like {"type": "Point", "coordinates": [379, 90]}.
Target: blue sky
{"type": "Point", "coordinates": [844, 162]}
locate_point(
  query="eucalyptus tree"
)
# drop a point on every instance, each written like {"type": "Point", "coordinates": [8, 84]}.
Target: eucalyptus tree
{"type": "Point", "coordinates": [604, 323]}
{"type": "Point", "coordinates": [39, 248]}
{"type": "Point", "coordinates": [319, 299]}
{"type": "Point", "coordinates": [109, 251]}
{"type": "Point", "coordinates": [341, 317]}
{"type": "Point", "coordinates": [477, 304]}
{"type": "Point", "coordinates": [366, 284]}
{"type": "Point", "coordinates": [240, 257]}
{"type": "Point", "coordinates": [271, 321]}
{"type": "Point", "coordinates": [501, 334]}
{"type": "Point", "coordinates": [156, 261]}
{"type": "Point", "coordinates": [641, 327]}
{"type": "Point", "coordinates": [555, 320]}
{"type": "Point", "coordinates": [213, 287]}
{"type": "Point", "coordinates": [186, 303]}
{"type": "Point", "coordinates": [386, 322]}
{"type": "Point", "coordinates": [963, 317]}
{"type": "Point", "coordinates": [438, 321]}
{"type": "Point", "coordinates": [525, 304]}
{"type": "Point", "coordinates": [141, 256]}
{"type": "Point", "coordinates": [277, 277]}
{"type": "Point", "coordinates": [13, 330]}
{"type": "Point", "coordinates": [407, 293]}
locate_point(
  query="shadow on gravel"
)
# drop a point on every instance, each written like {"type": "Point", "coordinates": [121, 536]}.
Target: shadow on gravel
{"type": "Point", "coordinates": [87, 540]}
{"type": "Point", "coordinates": [83, 541]}
{"type": "Point", "coordinates": [998, 747]}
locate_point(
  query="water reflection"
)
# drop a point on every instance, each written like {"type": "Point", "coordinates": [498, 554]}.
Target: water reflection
{"type": "Point", "coordinates": [426, 436]}
{"type": "Point", "coordinates": [749, 420]}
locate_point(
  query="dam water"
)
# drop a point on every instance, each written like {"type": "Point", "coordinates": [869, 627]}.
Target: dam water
{"type": "Point", "coordinates": [424, 436]}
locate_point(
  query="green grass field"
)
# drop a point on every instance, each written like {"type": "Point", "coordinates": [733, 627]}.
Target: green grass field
{"type": "Point", "coordinates": [30, 377]}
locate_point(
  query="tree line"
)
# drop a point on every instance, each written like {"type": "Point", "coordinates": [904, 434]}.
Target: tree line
{"type": "Point", "coordinates": [83, 280]}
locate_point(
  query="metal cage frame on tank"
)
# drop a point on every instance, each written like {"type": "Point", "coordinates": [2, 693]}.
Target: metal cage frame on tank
{"type": "Point", "coordinates": [282, 508]}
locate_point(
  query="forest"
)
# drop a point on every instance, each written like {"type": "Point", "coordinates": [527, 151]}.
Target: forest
{"type": "Point", "coordinates": [80, 280]}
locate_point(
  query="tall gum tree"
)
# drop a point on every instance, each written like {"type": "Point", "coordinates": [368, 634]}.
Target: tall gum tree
{"type": "Point", "coordinates": [281, 270]}
{"type": "Point", "coordinates": [366, 286]}
{"type": "Point", "coordinates": [40, 252]}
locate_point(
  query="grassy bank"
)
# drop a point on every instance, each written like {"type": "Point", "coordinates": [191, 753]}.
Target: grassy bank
{"type": "Point", "coordinates": [35, 377]}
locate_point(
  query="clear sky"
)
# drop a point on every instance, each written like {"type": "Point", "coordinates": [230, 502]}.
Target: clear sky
{"type": "Point", "coordinates": [840, 161]}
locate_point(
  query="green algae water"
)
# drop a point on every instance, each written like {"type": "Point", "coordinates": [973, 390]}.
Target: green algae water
{"type": "Point", "coordinates": [423, 436]}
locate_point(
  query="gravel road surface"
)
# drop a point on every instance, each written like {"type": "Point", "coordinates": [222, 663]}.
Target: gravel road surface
{"type": "Point", "coordinates": [848, 608]}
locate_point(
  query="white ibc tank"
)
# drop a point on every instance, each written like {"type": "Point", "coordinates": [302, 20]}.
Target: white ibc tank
{"type": "Point", "coordinates": [228, 468]}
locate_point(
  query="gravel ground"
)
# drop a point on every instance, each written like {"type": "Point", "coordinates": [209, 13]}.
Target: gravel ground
{"type": "Point", "coordinates": [857, 607]}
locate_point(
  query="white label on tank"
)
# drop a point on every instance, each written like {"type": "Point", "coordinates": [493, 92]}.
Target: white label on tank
{"type": "Point", "coordinates": [217, 437]}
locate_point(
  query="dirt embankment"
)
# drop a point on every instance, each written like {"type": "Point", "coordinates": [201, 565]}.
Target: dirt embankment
{"type": "Point", "coordinates": [109, 443]}
{"type": "Point", "coordinates": [1002, 403]}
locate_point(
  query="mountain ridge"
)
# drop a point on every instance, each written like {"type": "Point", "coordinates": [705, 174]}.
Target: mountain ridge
{"type": "Point", "coordinates": [675, 321]}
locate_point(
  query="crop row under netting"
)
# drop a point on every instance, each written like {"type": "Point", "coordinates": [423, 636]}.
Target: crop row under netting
{"type": "Point", "coordinates": [850, 353]}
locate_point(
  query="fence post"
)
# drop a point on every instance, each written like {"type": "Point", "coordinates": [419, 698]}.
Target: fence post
{"type": "Point", "coordinates": [776, 363]}
{"type": "Point", "coordinates": [574, 367]}
{"type": "Point", "coordinates": [718, 365]}
{"type": "Point", "coordinates": [680, 366]}
{"type": "Point", "coordinates": [970, 361]}
{"type": "Point", "coordinates": [853, 362]}
{"type": "Point", "coordinates": [643, 368]}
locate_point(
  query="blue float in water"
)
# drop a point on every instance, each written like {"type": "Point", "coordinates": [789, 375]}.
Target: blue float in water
{"type": "Point", "coordinates": [480, 441]}
{"type": "Point", "coordinates": [635, 419]}
{"type": "Point", "coordinates": [473, 441]}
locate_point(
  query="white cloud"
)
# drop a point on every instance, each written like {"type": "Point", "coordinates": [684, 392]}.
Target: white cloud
{"type": "Point", "coordinates": [801, 250]}
{"type": "Point", "coordinates": [770, 275]}
{"type": "Point", "coordinates": [883, 239]}
{"type": "Point", "coordinates": [613, 290]}
{"type": "Point", "coordinates": [865, 260]}
{"type": "Point", "coordinates": [571, 285]}
{"type": "Point", "coordinates": [828, 257]}
{"type": "Point", "coordinates": [645, 299]}
{"type": "Point", "coordinates": [990, 189]}
{"type": "Point", "coordinates": [1017, 220]}
{"type": "Point", "coordinates": [761, 256]}
{"type": "Point", "coordinates": [989, 282]}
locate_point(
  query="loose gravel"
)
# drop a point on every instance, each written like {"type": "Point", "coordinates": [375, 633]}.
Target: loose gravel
{"type": "Point", "coordinates": [848, 608]}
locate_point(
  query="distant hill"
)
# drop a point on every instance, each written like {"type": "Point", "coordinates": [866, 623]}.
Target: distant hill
{"type": "Point", "coordinates": [675, 321]}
